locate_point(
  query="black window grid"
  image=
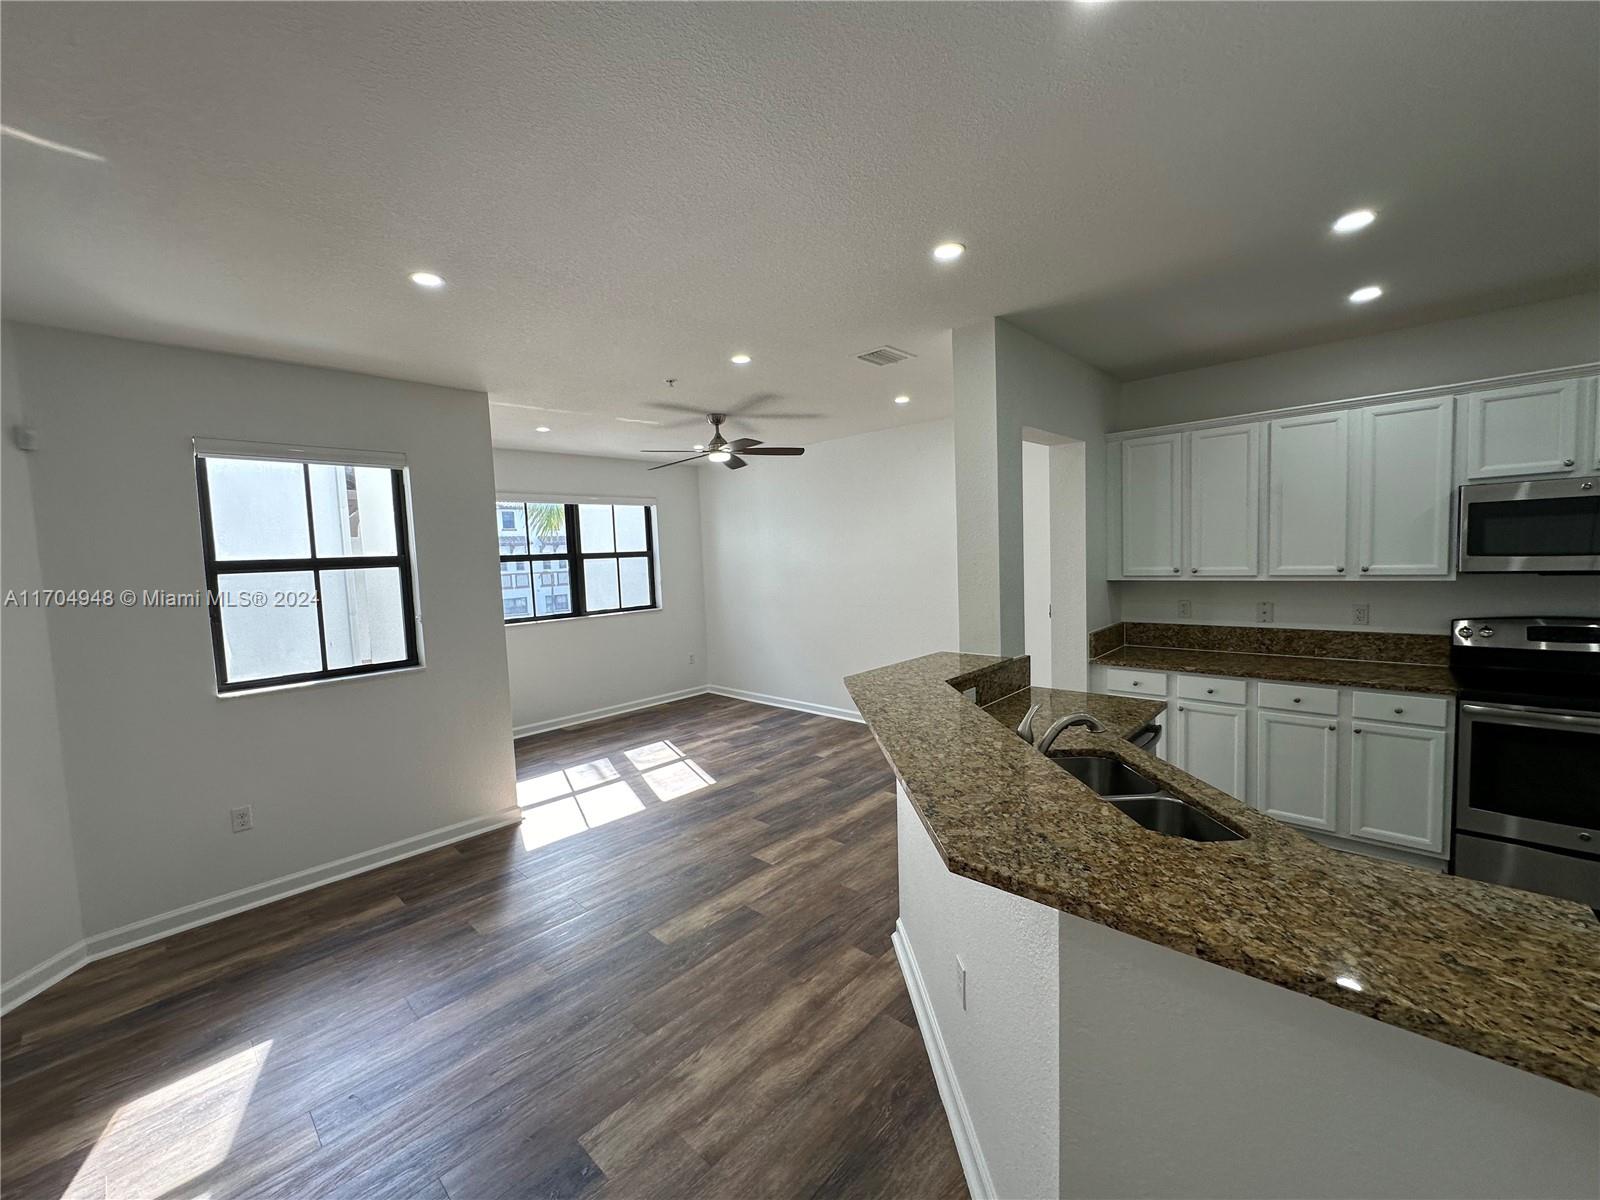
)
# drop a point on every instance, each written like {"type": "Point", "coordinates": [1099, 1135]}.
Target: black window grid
{"type": "Point", "coordinates": [575, 556]}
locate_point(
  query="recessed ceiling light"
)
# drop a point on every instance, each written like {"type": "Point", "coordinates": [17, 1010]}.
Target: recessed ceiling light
{"type": "Point", "coordinates": [902, 399]}
{"type": "Point", "coordinates": [427, 279]}
{"type": "Point", "coordinates": [1363, 295]}
{"type": "Point", "coordinates": [949, 251]}
{"type": "Point", "coordinates": [541, 429]}
{"type": "Point", "coordinates": [1352, 221]}
{"type": "Point", "coordinates": [740, 360]}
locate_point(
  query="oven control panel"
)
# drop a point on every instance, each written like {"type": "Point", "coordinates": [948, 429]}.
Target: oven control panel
{"type": "Point", "coordinates": [1566, 634]}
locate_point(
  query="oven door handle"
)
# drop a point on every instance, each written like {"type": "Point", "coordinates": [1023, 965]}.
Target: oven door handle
{"type": "Point", "coordinates": [1530, 716]}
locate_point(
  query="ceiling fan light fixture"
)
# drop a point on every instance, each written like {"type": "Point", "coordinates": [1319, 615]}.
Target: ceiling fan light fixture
{"type": "Point", "coordinates": [740, 360]}
{"type": "Point", "coordinates": [719, 456]}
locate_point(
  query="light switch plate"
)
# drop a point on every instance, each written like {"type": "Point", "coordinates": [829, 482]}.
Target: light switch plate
{"type": "Point", "coordinates": [1264, 611]}
{"type": "Point", "coordinates": [1363, 614]}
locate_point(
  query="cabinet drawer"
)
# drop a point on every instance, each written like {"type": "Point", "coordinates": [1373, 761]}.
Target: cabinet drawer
{"type": "Point", "coordinates": [1212, 688]}
{"type": "Point", "coordinates": [1402, 709]}
{"type": "Point", "coordinates": [1142, 683]}
{"type": "Point", "coordinates": [1296, 697]}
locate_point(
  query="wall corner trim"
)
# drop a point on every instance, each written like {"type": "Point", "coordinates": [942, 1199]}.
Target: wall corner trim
{"type": "Point", "coordinates": [152, 929]}
{"type": "Point", "coordinates": [979, 1182]}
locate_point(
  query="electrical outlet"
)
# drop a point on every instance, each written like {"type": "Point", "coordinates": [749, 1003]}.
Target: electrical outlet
{"type": "Point", "coordinates": [1264, 612]}
{"type": "Point", "coordinates": [1185, 608]}
{"type": "Point", "coordinates": [961, 982]}
{"type": "Point", "coordinates": [1363, 614]}
{"type": "Point", "coordinates": [242, 819]}
{"type": "Point", "coordinates": [691, 660]}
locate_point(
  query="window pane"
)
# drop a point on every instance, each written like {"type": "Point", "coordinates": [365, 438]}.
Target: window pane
{"type": "Point", "coordinates": [600, 584]}
{"type": "Point", "coordinates": [516, 590]}
{"type": "Point", "coordinates": [258, 509]}
{"type": "Point", "coordinates": [552, 587]}
{"type": "Point", "coordinates": [511, 523]}
{"type": "Point", "coordinates": [635, 574]}
{"type": "Point", "coordinates": [269, 624]}
{"type": "Point", "coordinates": [363, 617]}
{"type": "Point", "coordinates": [352, 510]}
{"type": "Point", "coordinates": [594, 528]}
{"type": "Point", "coordinates": [547, 526]}
{"type": "Point", "coordinates": [630, 526]}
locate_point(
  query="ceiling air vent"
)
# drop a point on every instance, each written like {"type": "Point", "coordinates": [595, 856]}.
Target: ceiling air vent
{"type": "Point", "coordinates": [885, 356]}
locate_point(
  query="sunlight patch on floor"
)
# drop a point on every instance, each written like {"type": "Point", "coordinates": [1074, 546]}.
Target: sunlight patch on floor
{"type": "Point", "coordinates": [559, 804]}
{"type": "Point", "coordinates": [167, 1137]}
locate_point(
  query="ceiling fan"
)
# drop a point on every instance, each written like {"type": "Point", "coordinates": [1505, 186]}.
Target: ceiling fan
{"type": "Point", "coordinates": [720, 450]}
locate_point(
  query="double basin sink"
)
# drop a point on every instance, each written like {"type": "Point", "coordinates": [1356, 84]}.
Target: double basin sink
{"type": "Point", "coordinates": [1143, 799]}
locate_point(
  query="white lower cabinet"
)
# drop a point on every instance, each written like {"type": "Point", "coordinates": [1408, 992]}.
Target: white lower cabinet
{"type": "Point", "coordinates": [1397, 778]}
{"type": "Point", "coordinates": [1297, 758]}
{"type": "Point", "coordinates": [1208, 741]}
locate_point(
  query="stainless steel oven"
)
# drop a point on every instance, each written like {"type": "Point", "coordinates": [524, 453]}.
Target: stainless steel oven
{"type": "Point", "coordinates": [1527, 803]}
{"type": "Point", "coordinates": [1549, 525]}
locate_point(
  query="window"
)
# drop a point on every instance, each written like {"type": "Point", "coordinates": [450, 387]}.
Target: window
{"type": "Point", "coordinates": [308, 569]}
{"type": "Point", "coordinates": [575, 560]}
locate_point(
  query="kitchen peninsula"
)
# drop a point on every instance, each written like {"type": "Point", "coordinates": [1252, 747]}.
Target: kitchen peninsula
{"type": "Point", "coordinates": [1114, 1011]}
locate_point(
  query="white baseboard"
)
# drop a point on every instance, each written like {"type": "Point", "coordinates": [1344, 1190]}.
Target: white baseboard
{"type": "Point", "coordinates": [805, 706]}
{"type": "Point", "coordinates": [979, 1182]}
{"type": "Point", "coordinates": [600, 714]}
{"type": "Point", "coordinates": [114, 941]}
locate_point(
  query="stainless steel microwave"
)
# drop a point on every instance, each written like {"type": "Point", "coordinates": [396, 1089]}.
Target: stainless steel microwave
{"type": "Point", "coordinates": [1546, 525]}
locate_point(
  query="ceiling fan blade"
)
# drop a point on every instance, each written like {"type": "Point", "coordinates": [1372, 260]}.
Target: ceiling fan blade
{"type": "Point", "coordinates": [739, 445]}
{"type": "Point", "coordinates": [680, 450]}
{"type": "Point", "coordinates": [691, 458]}
{"type": "Point", "coordinates": [668, 406]}
{"type": "Point", "coordinates": [734, 463]}
{"type": "Point", "coordinates": [784, 450]}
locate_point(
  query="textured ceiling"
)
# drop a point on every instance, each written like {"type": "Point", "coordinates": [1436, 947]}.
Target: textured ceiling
{"type": "Point", "coordinates": [619, 194]}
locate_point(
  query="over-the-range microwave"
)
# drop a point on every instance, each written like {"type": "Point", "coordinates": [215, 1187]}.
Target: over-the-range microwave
{"type": "Point", "coordinates": [1545, 525]}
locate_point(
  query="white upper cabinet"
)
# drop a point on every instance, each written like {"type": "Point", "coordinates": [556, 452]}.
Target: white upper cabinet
{"type": "Point", "coordinates": [1403, 456]}
{"type": "Point", "coordinates": [1152, 506]}
{"type": "Point", "coordinates": [1308, 520]}
{"type": "Point", "coordinates": [1531, 429]}
{"type": "Point", "coordinates": [1221, 482]}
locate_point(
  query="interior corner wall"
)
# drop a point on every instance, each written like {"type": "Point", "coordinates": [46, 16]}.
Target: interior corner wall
{"type": "Point", "coordinates": [154, 758]}
{"type": "Point", "coordinates": [593, 665]}
{"type": "Point", "coordinates": [836, 562]}
{"type": "Point", "coordinates": [41, 926]}
{"type": "Point", "coordinates": [1008, 381]}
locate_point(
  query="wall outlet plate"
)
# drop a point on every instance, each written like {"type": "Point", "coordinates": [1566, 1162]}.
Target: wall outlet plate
{"type": "Point", "coordinates": [1264, 611]}
{"type": "Point", "coordinates": [1185, 608]}
{"type": "Point", "coordinates": [961, 982]}
{"type": "Point", "coordinates": [1363, 614]}
{"type": "Point", "coordinates": [241, 819]}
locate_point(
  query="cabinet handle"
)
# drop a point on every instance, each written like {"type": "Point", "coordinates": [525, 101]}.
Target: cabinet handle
{"type": "Point", "coordinates": [1297, 699]}
{"type": "Point", "coordinates": [1367, 568]}
{"type": "Point", "coordinates": [1398, 711]}
{"type": "Point", "coordinates": [1194, 570]}
{"type": "Point", "coordinates": [1180, 708]}
{"type": "Point", "coordinates": [1135, 683]}
{"type": "Point", "coordinates": [1174, 570]}
{"type": "Point", "coordinates": [1333, 727]}
{"type": "Point", "coordinates": [1211, 691]}
{"type": "Point", "coordinates": [1340, 570]}
{"type": "Point", "coordinates": [1358, 731]}
{"type": "Point", "coordinates": [1566, 462]}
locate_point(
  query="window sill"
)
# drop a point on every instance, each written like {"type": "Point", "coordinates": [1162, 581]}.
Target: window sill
{"type": "Point", "coordinates": [600, 616]}
{"type": "Point", "coordinates": [312, 683]}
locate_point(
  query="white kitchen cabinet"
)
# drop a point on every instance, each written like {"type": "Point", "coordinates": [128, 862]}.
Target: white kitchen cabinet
{"type": "Point", "coordinates": [1220, 493]}
{"type": "Point", "coordinates": [1152, 506]}
{"type": "Point", "coordinates": [1403, 454]}
{"type": "Point", "coordinates": [1530, 429]}
{"type": "Point", "coordinates": [1308, 519]}
{"type": "Point", "coordinates": [1397, 785]}
{"type": "Point", "coordinates": [1297, 768]}
{"type": "Point", "coordinates": [1592, 385]}
{"type": "Point", "coordinates": [1208, 741]}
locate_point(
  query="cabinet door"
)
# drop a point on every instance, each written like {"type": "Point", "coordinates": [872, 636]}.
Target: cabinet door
{"type": "Point", "coordinates": [1397, 785]}
{"type": "Point", "coordinates": [1221, 486]}
{"type": "Point", "coordinates": [1208, 742]}
{"type": "Point", "coordinates": [1152, 498]}
{"type": "Point", "coordinates": [1308, 521]}
{"type": "Point", "coordinates": [1296, 768]}
{"type": "Point", "coordinates": [1592, 386]}
{"type": "Point", "coordinates": [1403, 462]}
{"type": "Point", "coordinates": [1526, 430]}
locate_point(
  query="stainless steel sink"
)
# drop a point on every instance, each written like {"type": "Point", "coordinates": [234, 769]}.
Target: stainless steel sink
{"type": "Point", "coordinates": [1105, 776]}
{"type": "Point", "coordinates": [1175, 818]}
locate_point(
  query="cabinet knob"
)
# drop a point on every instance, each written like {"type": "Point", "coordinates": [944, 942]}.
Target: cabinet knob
{"type": "Point", "coordinates": [1340, 570]}
{"type": "Point", "coordinates": [1398, 711]}
{"type": "Point", "coordinates": [1333, 727]}
{"type": "Point", "coordinates": [1211, 691]}
{"type": "Point", "coordinates": [1297, 699]}
{"type": "Point", "coordinates": [1180, 708]}
{"type": "Point", "coordinates": [1174, 570]}
{"type": "Point", "coordinates": [1366, 568]}
{"type": "Point", "coordinates": [1566, 462]}
{"type": "Point", "coordinates": [1194, 570]}
{"type": "Point", "coordinates": [1135, 683]}
{"type": "Point", "coordinates": [1358, 731]}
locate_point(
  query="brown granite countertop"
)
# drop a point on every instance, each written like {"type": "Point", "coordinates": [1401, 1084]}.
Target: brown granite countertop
{"type": "Point", "coordinates": [1334, 672]}
{"type": "Point", "coordinates": [1501, 973]}
{"type": "Point", "coordinates": [1121, 715]}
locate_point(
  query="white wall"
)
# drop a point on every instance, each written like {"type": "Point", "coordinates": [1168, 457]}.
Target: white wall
{"type": "Point", "coordinates": [560, 669]}
{"type": "Point", "coordinates": [38, 875]}
{"type": "Point", "coordinates": [1533, 337]}
{"type": "Point", "coordinates": [1036, 559]}
{"type": "Point", "coordinates": [821, 566]}
{"type": "Point", "coordinates": [1397, 606]}
{"type": "Point", "coordinates": [1003, 1047]}
{"type": "Point", "coordinates": [154, 759]}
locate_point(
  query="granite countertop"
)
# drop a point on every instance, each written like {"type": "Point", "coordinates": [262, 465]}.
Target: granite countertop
{"type": "Point", "coordinates": [1121, 715]}
{"type": "Point", "coordinates": [1502, 973]}
{"type": "Point", "coordinates": [1334, 672]}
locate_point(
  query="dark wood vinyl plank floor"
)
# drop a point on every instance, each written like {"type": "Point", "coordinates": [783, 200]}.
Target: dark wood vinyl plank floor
{"type": "Point", "coordinates": [673, 979]}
